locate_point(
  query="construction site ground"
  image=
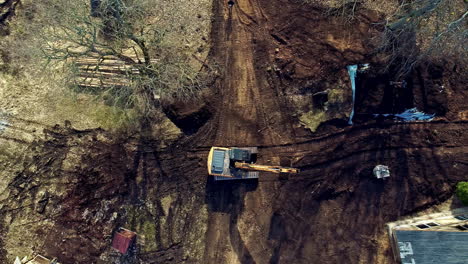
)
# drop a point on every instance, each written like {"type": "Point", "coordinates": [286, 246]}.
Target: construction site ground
{"type": "Point", "coordinates": [81, 185]}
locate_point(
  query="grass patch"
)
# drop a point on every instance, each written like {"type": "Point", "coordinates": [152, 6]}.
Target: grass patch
{"type": "Point", "coordinates": [140, 221]}
{"type": "Point", "coordinates": [336, 95]}
{"type": "Point", "coordinates": [92, 113]}
{"type": "Point", "coordinates": [313, 119]}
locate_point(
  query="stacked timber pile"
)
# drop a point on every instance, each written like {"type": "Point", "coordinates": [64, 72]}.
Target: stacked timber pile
{"type": "Point", "coordinates": [105, 72]}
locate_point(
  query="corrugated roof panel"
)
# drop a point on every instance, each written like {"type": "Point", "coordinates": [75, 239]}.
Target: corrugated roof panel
{"type": "Point", "coordinates": [426, 247]}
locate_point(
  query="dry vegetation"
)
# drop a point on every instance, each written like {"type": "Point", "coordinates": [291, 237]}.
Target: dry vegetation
{"type": "Point", "coordinates": [420, 31]}
{"type": "Point", "coordinates": [414, 31]}
{"type": "Point", "coordinates": [158, 55]}
{"type": "Point", "coordinates": [164, 42]}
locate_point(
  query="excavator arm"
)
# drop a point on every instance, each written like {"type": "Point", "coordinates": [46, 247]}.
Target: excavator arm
{"type": "Point", "coordinates": [257, 167]}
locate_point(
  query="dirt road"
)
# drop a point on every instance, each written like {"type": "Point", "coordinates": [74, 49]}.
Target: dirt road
{"type": "Point", "coordinates": [249, 110]}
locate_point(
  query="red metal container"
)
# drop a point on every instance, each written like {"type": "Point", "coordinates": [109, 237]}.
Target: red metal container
{"type": "Point", "coordinates": [123, 240]}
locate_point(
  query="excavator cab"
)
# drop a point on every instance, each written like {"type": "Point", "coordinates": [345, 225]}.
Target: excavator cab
{"type": "Point", "coordinates": [239, 163]}
{"type": "Point", "coordinates": [239, 154]}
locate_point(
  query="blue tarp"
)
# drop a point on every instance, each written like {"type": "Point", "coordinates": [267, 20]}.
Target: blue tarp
{"type": "Point", "coordinates": [352, 76]}
{"type": "Point", "coordinates": [412, 114]}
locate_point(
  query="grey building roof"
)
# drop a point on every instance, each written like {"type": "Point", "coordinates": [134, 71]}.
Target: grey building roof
{"type": "Point", "coordinates": [432, 247]}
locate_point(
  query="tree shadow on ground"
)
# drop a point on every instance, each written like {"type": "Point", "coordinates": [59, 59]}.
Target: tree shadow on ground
{"type": "Point", "coordinates": [228, 197]}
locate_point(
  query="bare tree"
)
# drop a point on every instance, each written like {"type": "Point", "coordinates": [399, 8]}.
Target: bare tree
{"type": "Point", "coordinates": [123, 34]}
{"type": "Point", "coordinates": [413, 31]}
{"type": "Point", "coordinates": [425, 29]}
{"type": "Point", "coordinates": [345, 9]}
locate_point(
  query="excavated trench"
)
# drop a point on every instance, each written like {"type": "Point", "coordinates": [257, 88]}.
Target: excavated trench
{"type": "Point", "coordinates": [381, 94]}
{"type": "Point", "coordinates": [334, 211]}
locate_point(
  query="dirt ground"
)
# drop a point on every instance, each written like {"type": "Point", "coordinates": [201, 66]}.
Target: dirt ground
{"type": "Point", "coordinates": [81, 185]}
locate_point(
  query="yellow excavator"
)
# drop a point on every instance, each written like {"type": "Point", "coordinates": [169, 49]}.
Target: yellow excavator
{"type": "Point", "coordinates": [239, 163]}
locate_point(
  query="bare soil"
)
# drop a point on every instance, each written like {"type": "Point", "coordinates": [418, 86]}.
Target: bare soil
{"type": "Point", "coordinates": [81, 185]}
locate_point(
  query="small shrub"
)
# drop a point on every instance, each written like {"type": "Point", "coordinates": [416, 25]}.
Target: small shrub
{"type": "Point", "coordinates": [462, 192]}
{"type": "Point", "coordinates": [313, 119]}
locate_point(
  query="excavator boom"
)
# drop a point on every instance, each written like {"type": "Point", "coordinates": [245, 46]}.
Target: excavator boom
{"type": "Point", "coordinates": [257, 167]}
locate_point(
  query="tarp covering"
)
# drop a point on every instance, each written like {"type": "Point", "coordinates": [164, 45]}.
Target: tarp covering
{"type": "Point", "coordinates": [381, 171]}
{"type": "Point", "coordinates": [352, 76]}
{"type": "Point", "coordinates": [412, 114]}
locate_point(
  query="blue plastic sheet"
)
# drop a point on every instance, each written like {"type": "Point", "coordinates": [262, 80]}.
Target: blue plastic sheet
{"type": "Point", "coordinates": [412, 114]}
{"type": "Point", "coordinates": [352, 76]}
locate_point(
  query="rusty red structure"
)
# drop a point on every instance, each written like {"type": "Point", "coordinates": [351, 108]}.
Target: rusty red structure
{"type": "Point", "coordinates": [123, 240]}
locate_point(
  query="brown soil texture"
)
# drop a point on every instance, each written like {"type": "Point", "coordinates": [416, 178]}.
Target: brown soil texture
{"type": "Point", "coordinates": [334, 211]}
{"type": "Point", "coordinates": [7, 11]}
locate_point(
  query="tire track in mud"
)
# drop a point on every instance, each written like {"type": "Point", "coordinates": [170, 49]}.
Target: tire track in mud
{"type": "Point", "coordinates": [240, 119]}
{"type": "Point", "coordinates": [356, 129]}
{"type": "Point", "coordinates": [319, 156]}
{"type": "Point", "coordinates": [18, 130]}
{"type": "Point", "coordinates": [420, 177]}
{"type": "Point", "coordinates": [245, 108]}
{"type": "Point", "coordinates": [243, 114]}
{"type": "Point", "coordinates": [321, 186]}
{"type": "Point", "coordinates": [237, 90]}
